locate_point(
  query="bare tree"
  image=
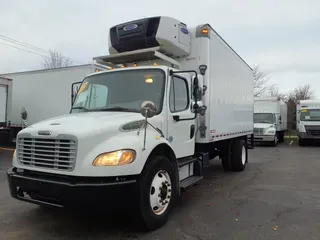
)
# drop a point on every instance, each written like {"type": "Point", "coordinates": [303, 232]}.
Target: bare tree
{"type": "Point", "coordinates": [303, 92]}
{"type": "Point", "coordinates": [260, 82]}
{"type": "Point", "coordinates": [274, 92]}
{"type": "Point", "coordinates": [56, 60]}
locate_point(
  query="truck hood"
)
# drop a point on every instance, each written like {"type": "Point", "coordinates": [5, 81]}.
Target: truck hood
{"type": "Point", "coordinates": [262, 125]}
{"type": "Point", "coordinates": [89, 123]}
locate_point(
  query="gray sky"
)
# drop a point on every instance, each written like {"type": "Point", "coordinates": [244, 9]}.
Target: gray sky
{"type": "Point", "coordinates": [282, 36]}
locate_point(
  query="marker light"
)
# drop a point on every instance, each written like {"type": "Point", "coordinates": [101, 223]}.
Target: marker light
{"type": "Point", "coordinates": [135, 65]}
{"type": "Point", "coordinates": [204, 31]}
{"type": "Point", "coordinates": [155, 64]}
{"type": "Point", "coordinates": [116, 158]}
{"type": "Point", "coordinates": [149, 80]}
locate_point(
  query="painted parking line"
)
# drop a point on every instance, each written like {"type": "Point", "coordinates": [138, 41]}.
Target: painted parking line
{"type": "Point", "coordinates": [7, 149]}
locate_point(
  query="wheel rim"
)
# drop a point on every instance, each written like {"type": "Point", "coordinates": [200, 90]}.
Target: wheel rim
{"type": "Point", "coordinates": [160, 192]}
{"type": "Point", "coordinates": [243, 155]}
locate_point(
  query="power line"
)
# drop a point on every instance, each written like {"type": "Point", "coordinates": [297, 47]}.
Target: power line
{"type": "Point", "coordinates": [28, 46]}
{"type": "Point", "coordinates": [24, 50]}
{"type": "Point", "coordinates": [22, 43]}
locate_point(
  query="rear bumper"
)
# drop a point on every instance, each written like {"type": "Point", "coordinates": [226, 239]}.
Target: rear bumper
{"type": "Point", "coordinates": [264, 138]}
{"type": "Point", "coordinates": [67, 191]}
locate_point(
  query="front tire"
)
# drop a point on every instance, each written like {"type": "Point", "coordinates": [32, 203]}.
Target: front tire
{"type": "Point", "coordinates": [275, 141]}
{"type": "Point", "coordinates": [301, 142]}
{"type": "Point", "coordinates": [158, 192]}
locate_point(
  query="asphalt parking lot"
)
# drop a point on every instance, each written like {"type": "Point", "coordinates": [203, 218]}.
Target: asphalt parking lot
{"type": "Point", "coordinates": [276, 197]}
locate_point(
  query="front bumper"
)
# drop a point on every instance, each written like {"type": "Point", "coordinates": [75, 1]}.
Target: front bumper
{"type": "Point", "coordinates": [66, 191]}
{"type": "Point", "coordinates": [304, 135]}
{"type": "Point", "coordinates": [263, 138]}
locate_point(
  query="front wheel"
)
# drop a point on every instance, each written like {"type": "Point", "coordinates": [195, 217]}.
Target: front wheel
{"type": "Point", "coordinates": [275, 141]}
{"type": "Point", "coordinates": [158, 192]}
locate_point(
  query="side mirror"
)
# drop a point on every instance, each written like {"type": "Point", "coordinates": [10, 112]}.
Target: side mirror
{"type": "Point", "coordinates": [148, 109]}
{"type": "Point", "coordinates": [195, 82]}
{"type": "Point", "coordinates": [74, 91]}
{"type": "Point", "coordinates": [24, 113]}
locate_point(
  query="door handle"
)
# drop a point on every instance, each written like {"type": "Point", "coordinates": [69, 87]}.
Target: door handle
{"type": "Point", "coordinates": [192, 130]}
{"type": "Point", "coordinates": [176, 118]}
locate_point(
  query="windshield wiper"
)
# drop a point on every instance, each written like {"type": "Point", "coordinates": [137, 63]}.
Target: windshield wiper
{"type": "Point", "coordinates": [118, 109]}
{"type": "Point", "coordinates": [82, 108]}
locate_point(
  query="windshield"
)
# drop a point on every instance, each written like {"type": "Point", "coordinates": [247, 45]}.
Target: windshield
{"type": "Point", "coordinates": [121, 91]}
{"type": "Point", "coordinates": [310, 115]}
{"type": "Point", "coordinates": [264, 118]}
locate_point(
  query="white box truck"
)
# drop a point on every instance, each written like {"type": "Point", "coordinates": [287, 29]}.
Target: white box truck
{"type": "Point", "coordinates": [308, 121]}
{"type": "Point", "coordinates": [39, 95]}
{"type": "Point", "coordinates": [5, 104]}
{"type": "Point", "coordinates": [270, 119]}
{"type": "Point", "coordinates": [143, 131]}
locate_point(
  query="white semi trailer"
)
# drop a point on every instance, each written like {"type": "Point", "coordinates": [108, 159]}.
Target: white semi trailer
{"type": "Point", "coordinates": [308, 121]}
{"type": "Point", "coordinates": [270, 120]}
{"type": "Point", "coordinates": [143, 131]}
{"type": "Point", "coordinates": [34, 96]}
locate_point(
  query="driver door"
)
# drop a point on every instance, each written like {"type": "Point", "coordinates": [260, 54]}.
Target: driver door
{"type": "Point", "coordinates": [181, 133]}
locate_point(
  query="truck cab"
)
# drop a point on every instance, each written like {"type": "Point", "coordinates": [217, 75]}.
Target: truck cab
{"type": "Point", "coordinates": [308, 121]}
{"type": "Point", "coordinates": [270, 120]}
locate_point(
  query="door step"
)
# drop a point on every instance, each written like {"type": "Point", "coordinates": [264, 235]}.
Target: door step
{"type": "Point", "coordinates": [190, 181]}
{"type": "Point", "coordinates": [185, 161]}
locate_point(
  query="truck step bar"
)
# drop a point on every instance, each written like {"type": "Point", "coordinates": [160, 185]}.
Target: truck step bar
{"type": "Point", "coordinates": [250, 141]}
{"type": "Point", "coordinates": [185, 161]}
{"type": "Point", "coordinates": [190, 181]}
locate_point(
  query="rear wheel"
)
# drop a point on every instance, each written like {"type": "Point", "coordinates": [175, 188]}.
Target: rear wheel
{"type": "Point", "coordinates": [281, 136]}
{"type": "Point", "coordinates": [225, 156]}
{"type": "Point", "coordinates": [158, 192]}
{"type": "Point", "coordinates": [239, 155]}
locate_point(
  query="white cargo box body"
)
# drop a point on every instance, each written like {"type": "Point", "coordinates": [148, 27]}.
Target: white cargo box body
{"type": "Point", "coordinates": [275, 106]}
{"type": "Point", "coordinates": [229, 81]}
{"type": "Point", "coordinates": [5, 99]}
{"type": "Point", "coordinates": [44, 93]}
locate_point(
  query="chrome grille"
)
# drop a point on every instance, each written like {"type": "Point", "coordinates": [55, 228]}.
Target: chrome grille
{"type": "Point", "coordinates": [258, 131]}
{"type": "Point", "coordinates": [313, 130]}
{"type": "Point", "coordinates": [58, 154]}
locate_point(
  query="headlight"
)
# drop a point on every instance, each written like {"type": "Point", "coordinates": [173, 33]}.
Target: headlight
{"type": "Point", "coordinates": [15, 152]}
{"type": "Point", "coordinates": [116, 158]}
{"type": "Point", "coordinates": [271, 131]}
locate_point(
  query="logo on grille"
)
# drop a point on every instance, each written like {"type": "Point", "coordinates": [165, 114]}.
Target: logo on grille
{"type": "Point", "coordinates": [45, 133]}
{"type": "Point", "coordinates": [130, 27]}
